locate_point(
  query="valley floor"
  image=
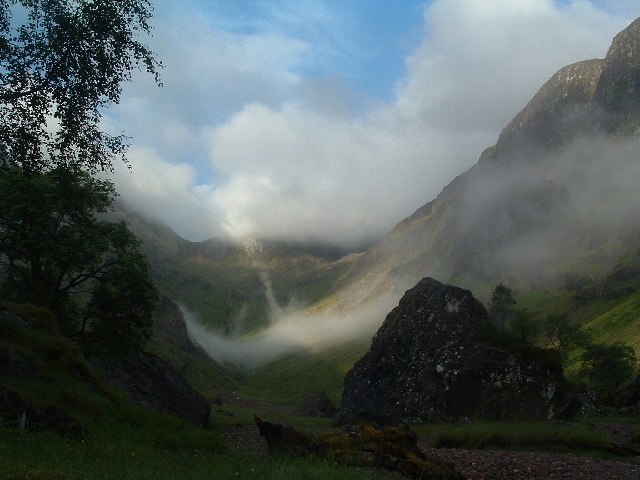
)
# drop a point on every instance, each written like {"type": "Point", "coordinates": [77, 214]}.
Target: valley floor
{"type": "Point", "coordinates": [475, 464]}
{"type": "Point", "coordinates": [485, 464]}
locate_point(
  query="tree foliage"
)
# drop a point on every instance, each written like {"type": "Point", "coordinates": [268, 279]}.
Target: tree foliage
{"type": "Point", "coordinates": [606, 368]}
{"type": "Point", "coordinates": [55, 252]}
{"type": "Point", "coordinates": [501, 310]}
{"type": "Point", "coordinates": [61, 62]}
{"type": "Point", "coordinates": [565, 336]}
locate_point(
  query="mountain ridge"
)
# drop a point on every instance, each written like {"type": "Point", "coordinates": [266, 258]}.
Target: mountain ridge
{"type": "Point", "coordinates": [573, 105]}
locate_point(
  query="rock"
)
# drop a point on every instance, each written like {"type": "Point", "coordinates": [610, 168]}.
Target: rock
{"type": "Point", "coordinates": [11, 317]}
{"type": "Point", "coordinates": [560, 109]}
{"type": "Point", "coordinates": [316, 404]}
{"type": "Point", "coordinates": [169, 327]}
{"type": "Point", "coordinates": [427, 363]}
{"type": "Point", "coordinates": [283, 439]}
{"type": "Point", "coordinates": [618, 92]}
{"type": "Point", "coordinates": [171, 341]}
{"type": "Point", "coordinates": [394, 448]}
{"type": "Point", "coordinates": [14, 364]}
{"type": "Point", "coordinates": [15, 412]}
{"type": "Point", "coordinates": [153, 382]}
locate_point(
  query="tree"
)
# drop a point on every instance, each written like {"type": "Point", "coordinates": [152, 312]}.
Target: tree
{"type": "Point", "coordinates": [565, 336]}
{"type": "Point", "coordinates": [501, 311]}
{"type": "Point", "coordinates": [55, 252]}
{"type": "Point", "coordinates": [61, 62]}
{"type": "Point", "coordinates": [607, 367]}
{"type": "Point", "coordinates": [524, 327]}
{"type": "Point", "coordinates": [120, 307]}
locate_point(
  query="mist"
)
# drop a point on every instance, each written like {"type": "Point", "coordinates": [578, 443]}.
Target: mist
{"type": "Point", "coordinates": [292, 328]}
{"type": "Point", "coordinates": [533, 214]}
{"type": "Point", "coordinates": [534, 218]}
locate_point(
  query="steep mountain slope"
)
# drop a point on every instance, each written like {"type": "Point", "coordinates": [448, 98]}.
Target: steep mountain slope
{"type": "Point", "coordinates": [554, 202]}
{"type": "Point", "coordinates": [236, 287]}
{"type": "Point", "coordinates": [551, 210]}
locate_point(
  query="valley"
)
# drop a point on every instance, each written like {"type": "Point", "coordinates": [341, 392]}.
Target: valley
{"type": "Point", "coordinates": [500, 321]}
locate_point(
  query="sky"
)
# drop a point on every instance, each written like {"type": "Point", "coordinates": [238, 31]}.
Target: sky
{"type": "Point", "coordinates": [329, 121]}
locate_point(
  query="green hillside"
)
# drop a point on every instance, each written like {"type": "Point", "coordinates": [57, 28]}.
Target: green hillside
{"type": "Point", "coordinates": [225, 283]}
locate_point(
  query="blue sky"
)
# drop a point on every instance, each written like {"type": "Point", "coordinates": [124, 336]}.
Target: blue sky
{"type": "Point", "coordinates": [363, 41]}
{"type": "Point", "coordinates": [328, 120]}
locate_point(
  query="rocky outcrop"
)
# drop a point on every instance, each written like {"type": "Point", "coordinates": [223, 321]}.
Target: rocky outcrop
{"type": "Point", "coordinates": [394, 448]}
{"type": "Point", "coordinates": [618, 91]}
{"type": "Point", "coordinates": [427, 363]}
{"type": "Point", "coordinates": [560, 109]}
{"type": "Point", "coordinates": [316, 404]}
{"type": "Point", "coordinates": [171, 341]}
{"type": "Point", "coordinates": [14, 364]}
{"type": "Point", "coordinates": [153, 382]}
{"type": "Point", "coordinates": [16, 412]}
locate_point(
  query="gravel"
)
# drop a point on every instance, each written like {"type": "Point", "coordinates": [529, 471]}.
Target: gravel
{"type": "Point", "coordinates": [487, 464]}
{"type": "Point", "coordinates": [500, 465]}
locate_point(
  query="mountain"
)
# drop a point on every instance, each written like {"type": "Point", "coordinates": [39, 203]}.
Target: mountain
{"type": "Point", "coordinates": [551, 205]}
{"type": "Point", "coordinates": [550, 210]}
{"type": "Point", "coordinates": [235, 286]}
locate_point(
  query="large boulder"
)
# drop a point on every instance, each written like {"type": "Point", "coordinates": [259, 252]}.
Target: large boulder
{"type": "Point", "coordinates": [428, 362]}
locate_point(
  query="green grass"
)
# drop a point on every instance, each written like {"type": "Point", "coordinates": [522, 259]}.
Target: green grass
{"type": "Point", "coordinates": [289, 378]}
{"type": "Point", "coordinates": [619, 322]}
{"type": "Point", "coordinates": [230, 415]}
{"type": "Point", "coordinates": [531, 436]}
{"type": "Point", "coordinates": [542, 303]}
{"type": "Point", "coordinates": [151, 447]}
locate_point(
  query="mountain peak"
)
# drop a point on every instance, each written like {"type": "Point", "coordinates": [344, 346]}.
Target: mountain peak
{"type": "Point", "coordinates": [557, 111]}
{"type": "Point", "coordinates": [618, 91]}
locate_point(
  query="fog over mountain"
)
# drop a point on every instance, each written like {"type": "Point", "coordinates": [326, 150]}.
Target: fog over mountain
{"type": "Point", "coordinates": [297, 159]}
{"type": "Point", "coordinates": [552, 204]}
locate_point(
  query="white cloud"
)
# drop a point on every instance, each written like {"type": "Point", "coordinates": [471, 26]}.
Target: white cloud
{"type": "Point", "coordinates": [165, 191]}
{"type": "Point", "coordinates": [291, 161]}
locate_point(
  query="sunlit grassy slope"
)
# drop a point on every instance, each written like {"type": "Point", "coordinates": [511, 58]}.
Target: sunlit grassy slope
{"type": "Point", "coordinates": [615, 320]}
{"type": "Point", "coordinates": [287, 379]}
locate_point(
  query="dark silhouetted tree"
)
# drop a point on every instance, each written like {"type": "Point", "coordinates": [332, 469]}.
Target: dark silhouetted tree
{"type": "Point", "coordinates": [565, 336]}
{"type": "Point", "coordinates": [501, 310]}
{"type": "Point", "coordinates": [54, 249]}
{"type": "Point", "coordinates": [61, 62]}
{"type": "Point", "coordinates": [606, 368]}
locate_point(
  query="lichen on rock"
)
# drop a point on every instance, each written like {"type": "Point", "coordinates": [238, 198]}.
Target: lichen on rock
{"type": "Point", "coordinates": [394, 448]}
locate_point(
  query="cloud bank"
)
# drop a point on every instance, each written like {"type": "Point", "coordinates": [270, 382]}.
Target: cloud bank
{"type": "Point", "coordinates": [245, 141]}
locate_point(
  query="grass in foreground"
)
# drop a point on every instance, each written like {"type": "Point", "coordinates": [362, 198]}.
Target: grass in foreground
{"type": "Point", "coordinates": [522, 436]}
{"type": "Point", "coordinates": [153, 447]}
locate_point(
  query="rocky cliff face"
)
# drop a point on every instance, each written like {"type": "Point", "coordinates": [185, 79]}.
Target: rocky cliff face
{"type": "Point", "coordinates": [561, 108]}
{"type": "Point", "coordinates": [618, 91]}
{"type": "Point", "coordinates": [426, 363]}
{"type": "Point", "coordinates": [164, 377]}
{"type": "Point", "coordinates": [171, 341]}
